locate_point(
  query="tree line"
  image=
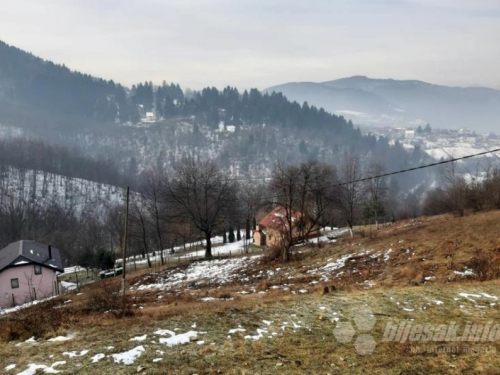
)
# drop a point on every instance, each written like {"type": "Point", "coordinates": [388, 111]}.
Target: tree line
{"type": "Point", "coordinates": [198, 201]}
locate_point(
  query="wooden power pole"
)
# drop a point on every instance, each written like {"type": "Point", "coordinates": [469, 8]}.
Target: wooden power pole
{"type": "Point", "coordinates": [125, 237]}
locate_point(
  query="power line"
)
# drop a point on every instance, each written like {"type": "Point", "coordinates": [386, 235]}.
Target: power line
{"type": "Point", "coordinates": [377, 176]}
{"type": "Point", "coordinates": [401, 171]}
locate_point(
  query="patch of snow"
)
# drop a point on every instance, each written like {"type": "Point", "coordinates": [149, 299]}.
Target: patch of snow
{"type": "Point", "coordinates": [211, 271]}
{"type": "Point", "coordinates": [386, 255]}
{"type": "Point", "coordinates": [467, 272]}
{"type": "Point", "coordinates": [62, 338]}
{"type": "Point", "coordinates": [163, 332]}
{"type": "Point", "coordinates": [128, 358]}
{"type": "Point", "coordinates": [75, 354]}
{"type": "Point", "coordinates": [139, 338]}
{"type": "Point", "coordinates": [258, 336]}
{"type": "Point", "coordinates": [97, 357]}
{"type": "Point", "coordinates": [24, 306]}
{"type": "Point", "coordinates": [33, 368]}
{"type": "Point", "coordinates": [68, 286]}
{"type": "Point", "coordinates": [182, 338]}
{"type": "Point", "coordinates": [489, 296]}
{"type": "Point", "coordinates": [234, 330]}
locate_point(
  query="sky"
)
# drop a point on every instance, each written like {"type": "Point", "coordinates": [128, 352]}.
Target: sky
{"type": "Point", "coordinates": [261, 43]}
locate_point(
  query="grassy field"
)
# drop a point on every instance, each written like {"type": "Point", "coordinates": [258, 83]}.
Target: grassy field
{"type": "Point", "coordinates": [243, 316]}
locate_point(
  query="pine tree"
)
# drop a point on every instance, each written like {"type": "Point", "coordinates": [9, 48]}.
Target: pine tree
{"type": "Point", "coordinates": [254, 227]}
{"type": "Point", "coordinates": [231, 234]}
{"type": "Point", "coordinates": [224, 236]}
{"type": "Point", "coordinates": [238, 233]}
{"type": "Point", "coordinates": [247, 230]}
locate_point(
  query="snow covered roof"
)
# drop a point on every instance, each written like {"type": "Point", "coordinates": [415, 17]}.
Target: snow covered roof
{"type": "Point", "coordinates": [30, 252]}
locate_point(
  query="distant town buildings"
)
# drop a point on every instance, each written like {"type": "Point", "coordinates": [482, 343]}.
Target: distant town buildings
{"type": "Point", "coordinates": [410, 134]}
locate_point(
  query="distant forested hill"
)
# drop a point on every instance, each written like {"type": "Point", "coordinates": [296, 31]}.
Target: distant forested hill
{"type": "Point", "coordinates": [394, 102]}
{"type": "Point", "coordinates": [33, 90]}
{"type": "Point", "coordinates": [152, 126]}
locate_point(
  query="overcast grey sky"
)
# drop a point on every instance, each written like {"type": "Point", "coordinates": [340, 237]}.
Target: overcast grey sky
{"type": "Point", "coordinates": [259, 43]}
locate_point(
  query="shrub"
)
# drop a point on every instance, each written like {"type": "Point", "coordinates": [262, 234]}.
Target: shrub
{"type": "Point", "coordinates": [43, 319]}
{"type": "Point", "coordinates": [106, 297]}
{"type": "Point", "coordinates": [273, 254]}
{"type": "Point", "coordinates": [484, 265]}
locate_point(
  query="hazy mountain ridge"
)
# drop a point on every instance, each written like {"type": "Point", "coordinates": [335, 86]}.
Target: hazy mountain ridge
{"type": "Point", "coordinates": [395, 102]}
{"type": "Point", "coordinates": [53, 93]}
{"type": "Point", "coordinates": [246, 132]}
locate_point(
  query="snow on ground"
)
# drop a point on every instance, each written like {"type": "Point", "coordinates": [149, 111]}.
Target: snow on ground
{"type": "Point", "coordinates": [329, 235]}
{"type": "Point", "coordinates": [139, 338]}
{"type": "Point", "coordinates": [98, 357]}
{"type": "Point", "coordinates": [24, 306]}
{"type": "Point", "coordinates": [74, 269]}
{"type": "Point", "coordinates": [219, 271]}
{"type": "Point", "coordinates": [467, 272]}
{"type": "Point", "coordinates": [33, 368]}
{"type": "Point", "coordinates": [128, 357]}
{"type": "Point", "coordinates": [471, 296]}
{"type": "Point", "coordinates": [31, 340]}
{"type": "Point", "coordinates": [76, 354]}
{"type": "Point", "coordinates": [182, 338]}
{"type": "Point", "coordinates": [70, 336]}
{"type": "Point", "coordinates": [455, 152]}
{"type": "Point", "coordinates": [68, 286]}
{"type": "Point", "coordinates": [182, 252]}
{"type": "Point", "coordinates": [65, 190]}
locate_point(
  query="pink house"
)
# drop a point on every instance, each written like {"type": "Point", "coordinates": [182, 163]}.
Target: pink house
{"type": "Point", "coordinates": [28, 271]}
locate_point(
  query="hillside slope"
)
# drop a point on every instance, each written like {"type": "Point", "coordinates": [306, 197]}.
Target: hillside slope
{"type": "Point", "coordinates": [392, 102]}
{"type": "Point", "coordinates": [34, 91]}
{"type": "Point", "coordinates": [240, 313]}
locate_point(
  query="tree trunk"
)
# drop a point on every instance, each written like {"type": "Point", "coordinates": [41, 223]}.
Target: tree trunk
{"type": "Point", "coordinates": [208, 250]}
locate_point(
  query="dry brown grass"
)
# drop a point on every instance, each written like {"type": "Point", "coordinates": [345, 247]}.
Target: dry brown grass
{"type": "Point", "coordinates": [426, 247]}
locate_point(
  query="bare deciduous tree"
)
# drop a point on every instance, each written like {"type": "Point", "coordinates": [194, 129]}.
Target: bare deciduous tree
{"type": "Point", "coordinates": [350, 191]}
{"type": "Point", "coordinates": [375, 193]}
{"type": "Point", "coordinates": [202, 194]}
{"type": "Point", "coordinates": [305, 195]}
{"type": "Point", "coordinates": [152, 190]}
{"type": "Point", "coordinates": [457, 189]}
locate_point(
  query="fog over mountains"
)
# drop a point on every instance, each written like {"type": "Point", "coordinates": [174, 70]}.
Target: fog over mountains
{"type": "Point", "coordinates": [382, 102]}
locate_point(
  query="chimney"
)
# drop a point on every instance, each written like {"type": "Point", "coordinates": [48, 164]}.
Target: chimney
{"type": "Point", "coordinates": [50, 252]}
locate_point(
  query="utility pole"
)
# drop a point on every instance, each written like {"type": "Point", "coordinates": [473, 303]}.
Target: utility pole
{"type": "Point", "coordinates": [125, 236]}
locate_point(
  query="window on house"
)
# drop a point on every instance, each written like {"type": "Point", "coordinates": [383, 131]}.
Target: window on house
{"type": "Point", "coordinates": [14, 283]}
{"type": "Point", "coordinates": [38, 269]}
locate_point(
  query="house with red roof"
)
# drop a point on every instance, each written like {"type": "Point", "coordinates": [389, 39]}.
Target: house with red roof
{"type": "Point", "coordinates": [275, 227]}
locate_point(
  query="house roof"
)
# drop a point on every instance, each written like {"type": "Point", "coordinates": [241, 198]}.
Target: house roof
{"type": "Point", "coordinates": [277, 219]}
{"type": "Point", "coordinates": [30, 252]}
